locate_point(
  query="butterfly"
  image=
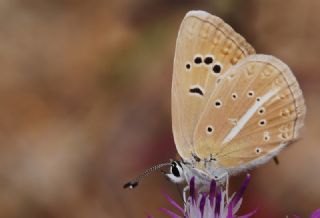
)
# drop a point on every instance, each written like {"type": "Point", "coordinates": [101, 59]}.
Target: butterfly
{"type": "Point", "coordinates": [232, 109]}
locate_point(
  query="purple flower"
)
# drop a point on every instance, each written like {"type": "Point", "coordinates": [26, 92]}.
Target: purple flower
{"type": "Point", "coordinates": [209, 205]}
{"type": "Point", "coordinates": [315, 214]}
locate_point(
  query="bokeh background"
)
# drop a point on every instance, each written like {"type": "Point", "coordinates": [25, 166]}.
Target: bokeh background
{"type": "Point", "coordinates": [85, 104]}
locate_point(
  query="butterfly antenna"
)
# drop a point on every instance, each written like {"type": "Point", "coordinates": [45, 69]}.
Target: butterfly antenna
{"type": "Point", "coordinates": [134, 183]}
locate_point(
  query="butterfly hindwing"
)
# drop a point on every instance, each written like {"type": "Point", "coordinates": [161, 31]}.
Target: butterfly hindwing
{"type": "Point", "coordinates": [255, 110]}
{"type": "Point", "coordinates": [206, 48]}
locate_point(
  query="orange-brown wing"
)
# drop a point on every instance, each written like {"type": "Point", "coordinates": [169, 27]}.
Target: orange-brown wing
{"type": "Point", "coordinates": [256, 109]}
{"type": "Point", "coordinates": [206, 48]}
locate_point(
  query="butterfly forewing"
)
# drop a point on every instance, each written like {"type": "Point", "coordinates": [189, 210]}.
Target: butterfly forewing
{"type": "Point", "coordinates": [255, 110]}
{"type": "Point", "coordinates": [206, 48]}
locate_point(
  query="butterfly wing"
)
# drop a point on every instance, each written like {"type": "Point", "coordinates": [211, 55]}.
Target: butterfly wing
{"type": "Point", "coordinates": [255, 110]}
{"type": "Point", "coordinates": [206, 48]}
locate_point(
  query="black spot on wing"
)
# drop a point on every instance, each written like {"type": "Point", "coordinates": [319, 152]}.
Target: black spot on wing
{"type": "Point", "coordinates": [196, 90]}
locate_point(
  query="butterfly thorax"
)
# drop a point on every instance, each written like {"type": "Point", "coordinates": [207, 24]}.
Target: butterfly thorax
{"type": "Point", "coordinates": [204, 171]}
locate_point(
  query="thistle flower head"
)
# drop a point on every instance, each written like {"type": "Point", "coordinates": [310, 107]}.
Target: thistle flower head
{"type": "Point", "coordinates": [213, 204]}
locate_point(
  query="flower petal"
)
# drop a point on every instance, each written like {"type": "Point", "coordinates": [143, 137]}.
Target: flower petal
{"type": "Point", "coordinates": [202, 203]}
{"type": "Point", "coordinates": [230, 215]}
{"type": "Point", "coordinates": [192, 189]}
{"type": "Point", "coordinates": [248, 214]}
{"type": "Point", "coordinates": [170, 213]}
{"type": "Point", "coordinates": [218, 202]}
{"type": "Point", "coordinates": [239, 194]}
{"type": "Point", "coordinates": [316, 214]}
{"type": "Point", "coordinates": [213, 186]}
{"type": "Point", "coordinates": [174, 203]}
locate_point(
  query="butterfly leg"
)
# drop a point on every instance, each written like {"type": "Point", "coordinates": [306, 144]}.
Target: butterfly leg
{"type": "Point", "coordinates": [223, 180]}
{"type": "Point", "coordinates": [227, 188]}
{"type": "Point", "coordinates": [185, 190]}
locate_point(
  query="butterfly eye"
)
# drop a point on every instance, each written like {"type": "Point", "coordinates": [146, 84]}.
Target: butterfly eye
{"type": "Point", "coordinates": [176, 168]}
{"type": "Point", "coordinates": [262, 122]}
{"type": "Point", "coordinates": [217, 68]}
{"type": "Point", "coordinates": [176, 174]}
{"type": "Point", "coordinates": [218, 103]}
{"type": "Point", "coordinates": [198, 59]}
{"type": "Point", "coordinates": [175, 171]}
{"type": "Point", "coordinates": [250, 93]}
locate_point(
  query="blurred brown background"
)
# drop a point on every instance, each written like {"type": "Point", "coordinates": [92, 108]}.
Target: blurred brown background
{"type": "Point", "coordinates": [85, 104]}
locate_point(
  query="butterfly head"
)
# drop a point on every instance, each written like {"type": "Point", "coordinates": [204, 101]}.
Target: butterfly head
{"type": "Point", "coordinates": [182, 171]}
{"type": "Point", "coordinates": [205, 171]}
{"type": "Point", "coordinates": [177, 172]}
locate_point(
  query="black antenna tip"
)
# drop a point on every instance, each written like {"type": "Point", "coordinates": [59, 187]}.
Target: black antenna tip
{"type": "Point", "coordinates": [131, 185]}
